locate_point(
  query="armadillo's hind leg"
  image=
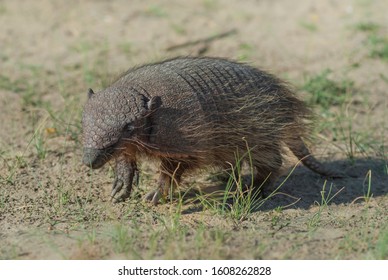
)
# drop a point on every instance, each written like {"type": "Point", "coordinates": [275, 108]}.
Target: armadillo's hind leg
{"type": "Point", "coordinates": [264, 182]}
{"type": "Point", "coordinates": [266, 174]}
{"type": "Point", "coordinates": [170, 175]}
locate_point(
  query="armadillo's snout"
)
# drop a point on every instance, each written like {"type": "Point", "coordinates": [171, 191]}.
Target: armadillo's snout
{"type": "Point", "coordinates": [96, 158]}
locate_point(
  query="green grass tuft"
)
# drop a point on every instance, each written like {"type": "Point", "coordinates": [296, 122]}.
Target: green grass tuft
{"type": "Point", "coordinates": [156, 11]}
{"type": "Point", "coordinates": [240, 197]}
{"type": "Point", "coordinates": [326, 92]}
{"type": "Point", "coordinates": [376, 43]}
{"type": "Point", "coordinates": [326, 197]}
{"type": "Point", "coordinates": [367, 26]}
{"type": "Point", "coordinates": [378, 46]}
{"type": "Point", "coordinates": [312, 27]}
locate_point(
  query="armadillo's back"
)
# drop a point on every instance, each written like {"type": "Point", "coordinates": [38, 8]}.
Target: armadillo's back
{"type": "Point", "coordinates": [210, 81]}
{"type": "Point", "coordinates": [209, 103]}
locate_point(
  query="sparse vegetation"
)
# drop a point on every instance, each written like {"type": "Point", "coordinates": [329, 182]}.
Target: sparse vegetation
{"type": "Point", "coordinates": [326, 92]}
{"type": "Point", "coordinates": [326, 197]}
{"type": "Point", "coordinates": [367, 26]}
{"type": "Point", "coordinates": [376, 43]}
{"type": "Point", "coordinates": [240, 197]}
{"type": "Point", "coordinates": [246, 51]}
{"type": "Point", "coordinates": [40, 145]}
{"type": "Point", "coordinates": [210, 4]}
{"type": "Point", "coordinates": [156, 11]}
{"type": "Point", "coordinates": [378, 46]}
{"type": "Point", "coordinates": [312, 27]}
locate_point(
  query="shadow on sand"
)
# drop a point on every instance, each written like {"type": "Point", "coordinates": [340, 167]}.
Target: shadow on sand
{"type": "Point", "coordinates": [304, 188]}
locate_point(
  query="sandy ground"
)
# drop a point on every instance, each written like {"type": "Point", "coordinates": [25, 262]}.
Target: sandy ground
{"type": "Point", "coordinates": [53, 207]}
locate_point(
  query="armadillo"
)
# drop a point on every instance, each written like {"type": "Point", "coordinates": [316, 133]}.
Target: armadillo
{"type": "Point", "coordinates": [190, 113]}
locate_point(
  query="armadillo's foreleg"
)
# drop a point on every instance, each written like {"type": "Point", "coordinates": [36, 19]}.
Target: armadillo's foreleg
{"type": "Point", "coordinates": [126, 173]}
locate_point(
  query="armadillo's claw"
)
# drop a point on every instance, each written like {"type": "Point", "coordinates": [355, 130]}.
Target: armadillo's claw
{"type": "Point", "coordinates": [153, 196]}
{"type": "Point", "coordinates": [149, 196]}
{"type": "Point", "coordinates": [156, 198]}
{"type": "Point", "coordinates": [120, 191]}
{"type": "Point", "coordinates": [117, 186]}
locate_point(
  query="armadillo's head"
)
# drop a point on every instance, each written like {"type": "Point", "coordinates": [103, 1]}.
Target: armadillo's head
{"type": "Point", "coordinates": [110, 118]}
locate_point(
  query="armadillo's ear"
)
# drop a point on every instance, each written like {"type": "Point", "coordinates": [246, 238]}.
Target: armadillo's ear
{"type": "Point", "coordinates": [154, 103]}
{"type": "Point", "coordinates": [90, 93]}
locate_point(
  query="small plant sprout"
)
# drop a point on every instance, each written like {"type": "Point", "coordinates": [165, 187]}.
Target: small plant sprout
{"type": "Point", "coordinates": [326, 198]}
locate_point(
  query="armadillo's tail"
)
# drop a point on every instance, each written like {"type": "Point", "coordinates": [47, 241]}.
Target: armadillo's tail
{"type": "Point", "coordinates": [300, 150]}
